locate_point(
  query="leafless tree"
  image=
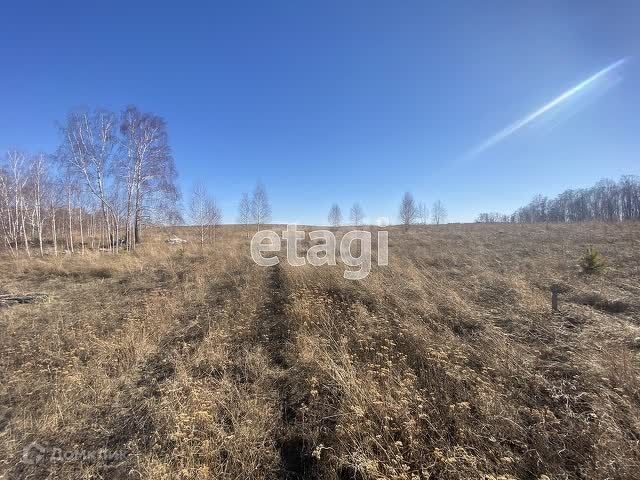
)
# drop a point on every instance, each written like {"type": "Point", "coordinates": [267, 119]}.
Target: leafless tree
{"type": "Point", "coordinates": [69, 187]}
{"type": "Point", "coordinates": [18, 171]}
{"type": "Point", "coordinates": [39, 184]}
{"type": "Point", "coordinates": [356, 215]}
{"type": "Point", "coordinates": [423, 214]}
{"type": "Point", "coordinates": [408, 210]}
{"type": "Point", "coordinates": [11, 189]}
{"type": "Point", "coordinates": [88, 152]}
{"type": "Point", "coordinates": [7, 225]}
{"type": "Point", "coordinates": [148, 170]}
{"type": "Point", "coordinates": [335, 215]}
{"type": "Point", "coordinates": [244, 212]}
{"type": "Point", "coordinates": [54, 203]}
{"type": "Point", "coordinates": [438, 213]}
{"type": "Point", "coordinates": [204, 212]}
{"type": "Point", "coordinates": [260, 207]}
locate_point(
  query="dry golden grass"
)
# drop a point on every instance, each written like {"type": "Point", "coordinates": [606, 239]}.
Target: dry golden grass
{"type": "Point", "coordinates": [447, 364]}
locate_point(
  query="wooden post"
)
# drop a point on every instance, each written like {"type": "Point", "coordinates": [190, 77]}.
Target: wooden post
{"type": "Point", "coordinates": [554, 298]}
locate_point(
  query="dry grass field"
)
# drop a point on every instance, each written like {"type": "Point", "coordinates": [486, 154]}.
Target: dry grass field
{"type": "Point", "coordinates": [446, 364]}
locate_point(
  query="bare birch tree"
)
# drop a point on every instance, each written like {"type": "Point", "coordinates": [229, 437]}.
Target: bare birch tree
{"type": "Point", "coordinates": [356, 215]}
{"type": "Point", "coordinates": [204, 212]}
{"type": "Point", "coordinates": [88, 151]}
{"type": "Point", "coordinates": [7, 222]}
{"type": "Point", "coordinates": [148, 170]}
{"type": "Point", "coordinates": [260, 207]}
{"type": "Point", "coordinates": [335, 215]}
{"type": "Point", "coordinates": [423, 213]}
{"type": "Point", "coordinates": [39, 184]}
{"type": "Point", "coordinates": [244, 212]}
{"type": "Point", "coordinates": [19, 177]}
{"type": "Point", "coordinates": [408, 210]}
{"type": "Point", "coordinates": [438, 213]}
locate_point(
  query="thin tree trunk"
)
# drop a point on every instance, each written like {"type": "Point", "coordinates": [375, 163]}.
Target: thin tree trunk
{"type": "Point", "coordinates": [81, 232]}
{"type": "Point", "coordinates": [24, 234]}
{"type": "Point", "coordinates": [70, 225]}
{"type": "Point", "coordinates": [54, 233]}
{"type": "Point", "coordinates": [92, 228]}
{"type": "Point", "coordinates": [40, 239]}
{"type": "Point", "coordinates": [117, 239]}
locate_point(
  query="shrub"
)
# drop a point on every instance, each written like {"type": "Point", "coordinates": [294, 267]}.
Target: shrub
{"type": "Point", "coordinates": [592, 261]}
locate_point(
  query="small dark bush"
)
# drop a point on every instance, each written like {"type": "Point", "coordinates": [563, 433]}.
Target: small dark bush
{"type": "Point", "coordinates": [592, 261]}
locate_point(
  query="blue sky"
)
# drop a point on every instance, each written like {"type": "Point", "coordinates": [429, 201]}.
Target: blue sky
{"type": "Point", "coordinates": [341, 101]}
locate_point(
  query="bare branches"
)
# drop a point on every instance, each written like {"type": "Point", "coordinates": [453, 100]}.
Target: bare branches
{"type": "Point", "coordinates": [244, 212]}
{"type": "Point", "coordinates": [438, 213]}
{"type": "Point", "coordinates": [422, 214]}
{"type": "Point", "coordinates": [260, 207]}
{"type": "Point", "coordinates": [335, 215]}
{"type": "Point", "coordinates": [114, 174]}
{"type": "Point", "coordinates": [408, 210]}
{"type": "Point", "coordinates": [147, 170]}
{"type": "Point", "coordinates": [204, 212]}
{"type": "Point", "coordinates": [88, 152]}
{"type": "Point", "coordinates": [356, 215]}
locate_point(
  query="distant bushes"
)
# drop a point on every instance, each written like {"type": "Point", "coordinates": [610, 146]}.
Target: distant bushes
{"type": "Point", "coordinates": [493, 217]}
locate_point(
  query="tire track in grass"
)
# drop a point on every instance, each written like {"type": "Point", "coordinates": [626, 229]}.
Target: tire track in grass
{"type": "Point", "coordinates": [278, 340]}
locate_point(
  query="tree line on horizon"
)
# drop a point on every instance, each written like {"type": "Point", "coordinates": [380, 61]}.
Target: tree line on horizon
{"type": "Point", "coordinates": [410, 213]}
{"type": "Point", "coordinates": [607, 201]}
{"type": "Point", "coordinates": [114, 173]}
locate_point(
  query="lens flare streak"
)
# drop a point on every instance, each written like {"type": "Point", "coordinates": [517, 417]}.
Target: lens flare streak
{"type": "Point", "coordinates": [514, 127]}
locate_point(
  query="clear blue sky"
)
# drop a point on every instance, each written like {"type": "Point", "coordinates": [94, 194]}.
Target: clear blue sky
{"type": "Point", "coordinates": [341, 101]}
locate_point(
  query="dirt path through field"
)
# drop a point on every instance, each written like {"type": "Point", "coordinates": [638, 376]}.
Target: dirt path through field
{"type": "Point", "coordinates": [296, 460]}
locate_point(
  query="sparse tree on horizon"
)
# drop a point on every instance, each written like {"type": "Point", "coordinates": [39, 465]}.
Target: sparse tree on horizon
{"type": "Point", "coordinates": [438, 213]}
{"type": "Point", "coordinates": [423, 213]}
{"type": "Point", "coordinates": [244, 212]}
{"type": "Point", "coordinates": [356, 214]}
{"type": "Point", "coordinates": [204, 212]}
{"type": "Point", "coordinates": [260, 207]}
{"type": "Point", "coordinates": [408, 210]}
{"type": "Point", "coordinates": [335, 215]}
